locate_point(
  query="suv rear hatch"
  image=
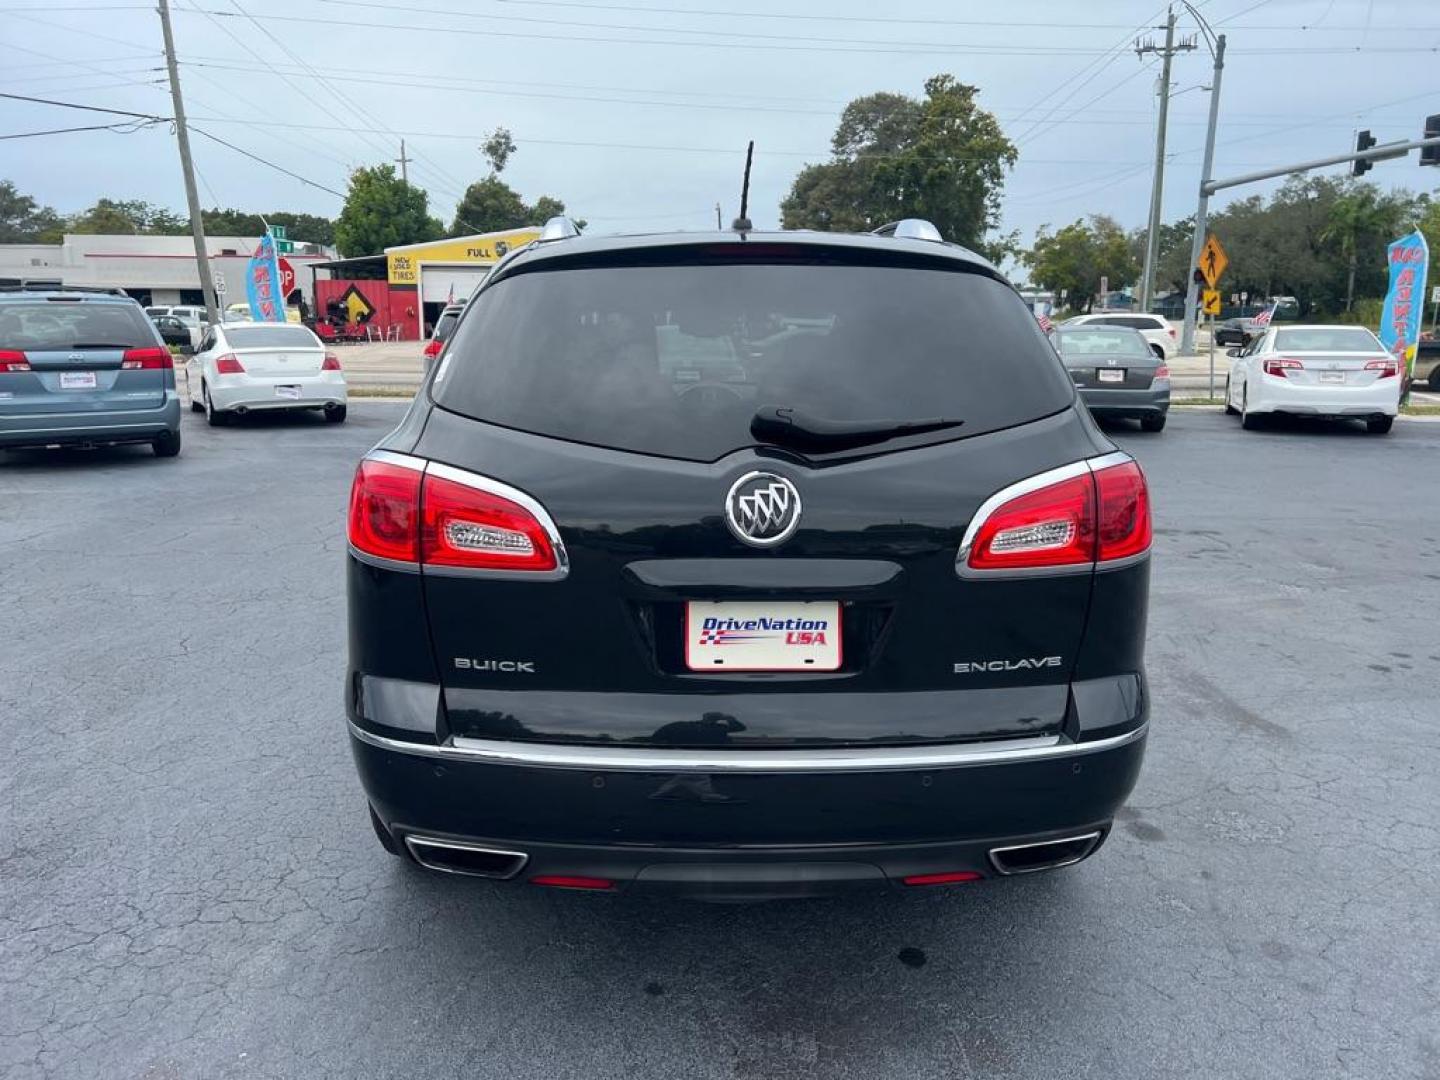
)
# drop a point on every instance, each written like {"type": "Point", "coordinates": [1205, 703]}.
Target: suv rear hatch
{"type": "Point", "coordinates": [67, 355]}
{"type": "Point", "coordinates": [621, 395]}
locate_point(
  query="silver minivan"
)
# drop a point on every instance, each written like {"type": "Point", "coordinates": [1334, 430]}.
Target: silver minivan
{"type": "Point", "coordinates": [83, 369]}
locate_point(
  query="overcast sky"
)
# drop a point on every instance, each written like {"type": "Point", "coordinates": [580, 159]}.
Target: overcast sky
{"type": "Point", "coordinates": [636, 112]}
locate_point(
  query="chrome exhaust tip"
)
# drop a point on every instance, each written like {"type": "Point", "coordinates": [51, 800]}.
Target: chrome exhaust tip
{"type": "Point", "coordinates": [457, 857]}
{"type": "Point", "coordinates": [1044, 855]}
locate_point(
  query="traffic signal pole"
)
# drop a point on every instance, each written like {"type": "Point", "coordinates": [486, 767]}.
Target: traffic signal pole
{"type": "Point", "coordinates": [1192, 291]}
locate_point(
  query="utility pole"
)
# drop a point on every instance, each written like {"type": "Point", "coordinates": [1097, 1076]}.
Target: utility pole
{"type": "Point", "coordinates": [1192, 289]}
{"type": "Point", "coordinates": [717, 217]}
{"type": "Point", "coordinates": [1152, 234]}
{"type": "Point", "coordinates": [192, 197]}
{"type": "Point", "coordinates": [404, 163]}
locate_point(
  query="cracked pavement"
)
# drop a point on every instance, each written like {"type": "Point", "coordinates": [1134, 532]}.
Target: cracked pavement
{"type": "Point", "coordinates": [189, 886]}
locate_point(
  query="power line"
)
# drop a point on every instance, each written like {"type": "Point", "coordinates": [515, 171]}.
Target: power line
{"type": "Point", "coordinates": [87, 108]}
{"type": "Point", "coordinates": [269, 164]}
{"type": "Point", "coordinates": [124, 128]}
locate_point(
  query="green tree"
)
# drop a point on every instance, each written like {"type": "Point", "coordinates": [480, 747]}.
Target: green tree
{"type": "Point", "coordinates": [128, 217]}
{"type": "Point", "coordinates": [491, 205]}
{"type": "Point", "coordinates": [1360, 217]}
{"type": "Point", "coordinates": [1075, 258]}
{"type": "Point", "coordinates": [23, 220]}
{"type": "Point", "coordinates": [303, 228]}
{"type": "Point", "coordinates": [381, 211]}
{"type": "Point", "coordinates": [942, 158]}
{"type": "Point", "coordinates": [1172, 259]}
{"type": "Point", "coordinates": [498, 149]}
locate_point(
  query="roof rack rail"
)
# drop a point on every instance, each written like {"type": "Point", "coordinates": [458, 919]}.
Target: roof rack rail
{"type": "Point", "coordinates": [911, 229]}
{"type": "Point", "coordinates": [42, 286]}
{"type": "Point", "coordinates": [558, 228]}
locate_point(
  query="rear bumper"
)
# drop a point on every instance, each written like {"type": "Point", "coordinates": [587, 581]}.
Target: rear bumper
{"type": "Point", "coordinates": [1126, 403]}
{"type": "Point", "coordinates": [1269, 394]}
{"type": "Point", "coordinates": [89, 428]}
{"type": "Point", "coordinates": [259, 391]}
{"type": "Point", "coordinates": [700, 824]}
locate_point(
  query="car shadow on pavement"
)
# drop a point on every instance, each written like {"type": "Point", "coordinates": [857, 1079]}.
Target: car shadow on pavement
{"type": "Point", "coordinates": [79, 457]}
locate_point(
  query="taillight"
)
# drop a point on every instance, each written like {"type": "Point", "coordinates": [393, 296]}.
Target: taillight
{"type": "Point", "coordinates": [1124, 513]}
{"type": "Point", "coordinates": [1051, 526]}
{"type": "Point", "coordinates": [1172, 330]}
{"type": "Point", "coordinates": [463, 525]}
{"type": "Point", "coordinates": [13, 361]}
{"type": "Point", "coordinates": [1389, 369]}
{"type": "Point", "coordinates": [1162, 372]}
{"type": "Point", "coordinates": [433, 347]}
{"type": "Point", "coordinates": [1082, 517]}
{"type": "Point", "coordinates": [407, 510]}
{"type": "Point", "coordinates": [151, 359]}
{"type": "Point", "coordinates": [330, 363]}
{"type": "Point", "coordinates": [1278, 365]}
{"type": "Point", "coordinates": [228, 364]}
{"type": "Point", "coordinates": [384, 518]}
{"type": "Point", "coordinates": [573, 881]}
{"type": "Point", "coordinates": [949, 877]}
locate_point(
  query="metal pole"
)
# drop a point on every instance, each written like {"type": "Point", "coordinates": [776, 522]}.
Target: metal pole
{"type": "Point", "coordinates": [1152, 237]}
{"type": "Point", "coordinates": [717, 217]}
{"type": "Point", "coordinates": [1212, 357]}
{"type": "Point", "coordinates": [1376, 153]}
{"type": "Point", "coordinates": [187, 166]}
{"type": "Point", "coordinates": [1192, 291]}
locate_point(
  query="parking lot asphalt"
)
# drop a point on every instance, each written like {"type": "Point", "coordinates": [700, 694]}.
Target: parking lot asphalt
{"type": "Point", "coordinates": [189, 886]}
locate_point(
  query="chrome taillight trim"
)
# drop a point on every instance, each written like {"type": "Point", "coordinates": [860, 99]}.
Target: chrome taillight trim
{"type": "Point", "coordinates": [1025, 487]}
{"type": "Point", "coordinates": [491, 486]}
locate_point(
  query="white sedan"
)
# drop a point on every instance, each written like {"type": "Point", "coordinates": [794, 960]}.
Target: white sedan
{"type": "Point", "coordinates": [245, 366]}
{"type": "Point", "coordinates": [1333, 371]}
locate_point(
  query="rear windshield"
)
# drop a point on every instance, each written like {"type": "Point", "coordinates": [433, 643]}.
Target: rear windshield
{"type": "Point", "coordinates": [1328, 339]}
{"type": "Point", "coordinates": [72, 324]}
{"type": "Point", "coordinates": [271, 337]}
{"type": "Point", "coordinates": [1076, 344]}
{"type": "Point", "coordinates": [675, 360]}
{"type": "Point", "coordinates": [445, 324]}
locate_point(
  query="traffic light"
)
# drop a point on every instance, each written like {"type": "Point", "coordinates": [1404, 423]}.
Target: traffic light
{"type": "Point", "coordinates": [1363, 141]}
{"type": "Point", "coordinates": [1430, 155]}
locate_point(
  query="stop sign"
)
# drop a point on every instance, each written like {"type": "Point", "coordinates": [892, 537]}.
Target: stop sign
{"type": "Point", "coordinates": [287, 278]}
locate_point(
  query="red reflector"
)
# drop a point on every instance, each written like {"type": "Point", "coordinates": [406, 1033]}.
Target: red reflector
{"type": "Point", "coordinates": [1124, 511]}
{"type": "Point", "coordinates": [330, 363]}
{"type": "Point", "coordinates": [13, 361]}
{"type": "Point", "coordinates": [565, 881]}
{"type": "Point", "coordinates": [465, 526]}
{"type": "Point", "coordinates": [385, 511]}
{"type": "Point", "coordinates": [146, 358]}
{"type": "Point", "coordinates": [229, 364]}
{"type": "Point", "coordinates": [1054, 526]}
{"type": "Point", "coordinates": [952, 877]}
{"type": "Point", "coordinates": [433, 347]}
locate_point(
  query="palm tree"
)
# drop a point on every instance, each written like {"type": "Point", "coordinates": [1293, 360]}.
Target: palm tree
{"type": "Point", "coordinates": [1356, 214]}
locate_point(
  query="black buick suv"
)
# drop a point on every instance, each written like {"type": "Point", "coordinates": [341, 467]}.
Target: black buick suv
{"type": "Point", "coordinates": [746, 565]}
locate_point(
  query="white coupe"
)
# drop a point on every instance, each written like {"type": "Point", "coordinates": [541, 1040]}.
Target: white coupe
{"type": "Point", "coordinates": [1332, 371]}
{"type": "Point", "coordinates": [245, 366]}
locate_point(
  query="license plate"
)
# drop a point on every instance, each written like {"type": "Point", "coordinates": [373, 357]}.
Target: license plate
{"type": "Point", "coordinates": [752, 636]}
{"type": "Point", "coordinates": [1111, 374]}
{"type": "Point", "coordinates": [288, 392]}
{"type": "Point", "coordinates": [1332, 376]}
{"type": "Point", "coordinates": [77, 380]}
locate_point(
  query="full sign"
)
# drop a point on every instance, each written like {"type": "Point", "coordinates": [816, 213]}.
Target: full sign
{"type": "Point", "coordinates": [1213, 260]}
{"type": "Point", "coordinates": [287, 278]}
{"type": "Point", "coordinates": [1210, 300]}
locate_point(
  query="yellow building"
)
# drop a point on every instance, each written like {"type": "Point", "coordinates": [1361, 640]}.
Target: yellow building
{"type": "Point", "coordinates": [448, 271]}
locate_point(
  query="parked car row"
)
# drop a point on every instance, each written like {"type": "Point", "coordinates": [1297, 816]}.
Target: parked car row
{"type": "Point", "coordinates": [87, 368]}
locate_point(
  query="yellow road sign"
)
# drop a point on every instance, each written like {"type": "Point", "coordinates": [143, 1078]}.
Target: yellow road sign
{"type": "Point", "coordinates": [1210, 299]}
{"type": "Point", "coordinates": [1213, 260]}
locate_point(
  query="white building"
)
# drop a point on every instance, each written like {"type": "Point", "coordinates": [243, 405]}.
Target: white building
{"type": "Point", "coordinates": [152, 269]}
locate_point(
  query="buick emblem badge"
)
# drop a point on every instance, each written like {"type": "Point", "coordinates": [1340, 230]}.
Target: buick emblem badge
{"type": "Point", "coordinates": [762, 509]}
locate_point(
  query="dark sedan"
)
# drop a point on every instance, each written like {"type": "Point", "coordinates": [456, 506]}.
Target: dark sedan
{"type": "Point", "coordinates": [172, 331]}
{"type": "Point", "coordinates": [1116, 373]}
{"type": "Point", "coordinates": [1236, 332]}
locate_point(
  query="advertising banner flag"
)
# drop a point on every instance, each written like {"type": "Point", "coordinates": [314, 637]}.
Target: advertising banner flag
{"type": "Point", "coordinates": [1404, 311]}
{"type": "Point", "coordinates": [262, 283]}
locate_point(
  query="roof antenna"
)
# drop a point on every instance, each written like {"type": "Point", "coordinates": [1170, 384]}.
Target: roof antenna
{"type": "Point", "coordinates": [742, 223]}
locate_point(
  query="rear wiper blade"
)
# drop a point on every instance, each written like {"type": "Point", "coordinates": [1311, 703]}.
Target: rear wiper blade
{"type": "Point", "coordinates": [782, 424]}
